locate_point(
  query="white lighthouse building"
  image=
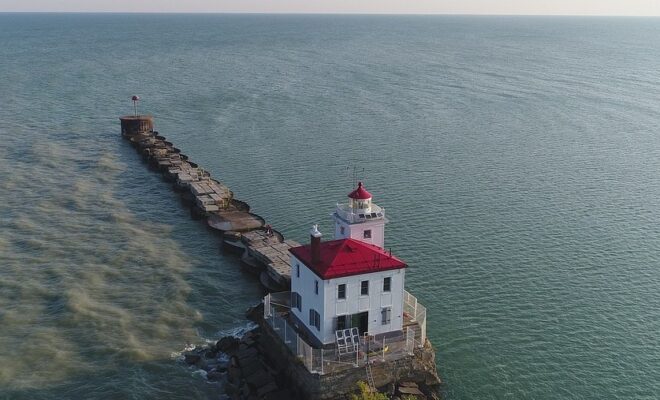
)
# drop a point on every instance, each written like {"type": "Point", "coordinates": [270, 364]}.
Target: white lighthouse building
{"type": "Point", "coordinates": [347, 315]}
{"type": "Point", "coordinates": [350, 282]}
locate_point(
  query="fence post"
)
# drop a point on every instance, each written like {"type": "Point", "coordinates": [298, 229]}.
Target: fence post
{"type": "Point", "coordinates": [297, 346]}
{"type": "Point", "coordinates": [410, 341]}
{"type": "Point", "coordinates": [311, 360]}
{"type": "Point", "coordinates": [383, 348]}
{"type": "Point", "coordinates": [322, 371]}
{"type": "Point", "coordinates": [415, 308]}
{"type": "Point", "coordinates": [266, 306]}
{"type": "Point", "coordinates": [423, 334]}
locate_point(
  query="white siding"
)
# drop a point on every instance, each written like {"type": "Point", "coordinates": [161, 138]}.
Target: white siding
{"type": "Point", "coordinates": [356, 231]}
{"type": "Point", "coordinates": [329, 307]}
{"type": "Point", "coordinates": [304, 285]}
{"type": "Point", "coordinates": [373, 303]}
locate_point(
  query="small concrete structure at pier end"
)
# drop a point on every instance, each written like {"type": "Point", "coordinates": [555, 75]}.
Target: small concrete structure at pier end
{"type": "Point", "coordinates": [348, 317]}
{"type": "Point", "coordinates": [136, 124]}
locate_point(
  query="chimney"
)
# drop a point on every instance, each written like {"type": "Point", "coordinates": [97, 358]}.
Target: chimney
{"type": "Point", "coordinates": [315, 237]}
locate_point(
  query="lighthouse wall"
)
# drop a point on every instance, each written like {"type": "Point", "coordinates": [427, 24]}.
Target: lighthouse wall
{"type": "Point", "coordinates": [372, 231]}
{"type": "Point", "coordinates": [326, 302]}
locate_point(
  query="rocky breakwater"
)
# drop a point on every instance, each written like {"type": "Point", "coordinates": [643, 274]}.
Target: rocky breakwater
{"type": "Point", "coordinates": [208, 198]}
{"type": "Point", "coordinates": [240, 365]}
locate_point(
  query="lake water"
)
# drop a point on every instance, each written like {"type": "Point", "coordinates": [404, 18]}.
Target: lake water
{"type": "Point", "coordinates": [517, 158]}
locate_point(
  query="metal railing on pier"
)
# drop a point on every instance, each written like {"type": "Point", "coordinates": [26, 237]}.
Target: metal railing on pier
{"type": "Point", "coordinates": [329, 360]}
{"type": "Point", "coordinates": [416, 312]}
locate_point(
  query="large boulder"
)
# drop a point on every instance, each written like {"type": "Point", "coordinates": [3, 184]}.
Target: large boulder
{"type": "Point", "coordinates": [255, 312]}
{"type": "Point", "coordinates": [191, 358]}
{"type": "Point", "coordinates": [227, 344]}
{"type": "Point", "coordinates": [214, 376]}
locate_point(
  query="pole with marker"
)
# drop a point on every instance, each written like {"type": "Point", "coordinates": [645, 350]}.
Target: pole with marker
{"type": "Point", "coordinates": [135, 101]}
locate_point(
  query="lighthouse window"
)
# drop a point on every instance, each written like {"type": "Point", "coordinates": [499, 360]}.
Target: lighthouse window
{"type": "Point", "coordinates": [341, 230]}
{"type": "Point", "coordinates": [387, 284]}
{"type": "Point", "coordinates": [315, 319]}
{"type": "Point", "coordinates": [364, 288]}
{"type": "Point", "coordinates": [373, 215]}
{"type": "Point", "coordinates": [296, 301]}
{"type": "Point", "coordinates": [316, 287]}
{"type": "Point", "coordinates": [297, 270]}
{"type": "Point", "coordinates": [386, 315]}
{"type": "Point", "coordinates": [341, 291]}
{"type": "Point", "coordinates": [367, 234]}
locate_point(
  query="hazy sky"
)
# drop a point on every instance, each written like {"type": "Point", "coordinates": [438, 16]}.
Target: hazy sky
{"type": "Point", "coordinates": [552, 7]}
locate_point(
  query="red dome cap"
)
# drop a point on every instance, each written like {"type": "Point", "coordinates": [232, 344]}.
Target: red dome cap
{"type": "Point", "coordinates": [360, 193]}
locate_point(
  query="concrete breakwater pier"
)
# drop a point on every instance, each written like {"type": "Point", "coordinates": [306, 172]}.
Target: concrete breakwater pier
{"type": "Point", "coordinates": [264, 250]}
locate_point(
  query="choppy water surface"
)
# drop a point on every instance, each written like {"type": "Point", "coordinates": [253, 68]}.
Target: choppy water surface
{"type": "Point", "coordinates": [518, 160]}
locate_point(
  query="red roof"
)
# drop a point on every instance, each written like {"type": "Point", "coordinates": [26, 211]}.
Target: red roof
{"type": "Point", "coordinates": [347, 257]}
{"type": "Point", "coordinates": [360, 193]}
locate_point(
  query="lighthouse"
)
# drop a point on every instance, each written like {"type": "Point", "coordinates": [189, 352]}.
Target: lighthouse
{"type": "Point", "coordinates": [346, 285]}
{"type": "Point", "coordinates": [348, 308]}
{"type": "Point", "coordinates": [360, 218]}
{"type": "Point", "coordinates": [349, 284]}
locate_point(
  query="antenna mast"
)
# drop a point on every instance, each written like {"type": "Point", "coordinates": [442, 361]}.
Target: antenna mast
{"type": "Point", "coordinates": [354, 176]}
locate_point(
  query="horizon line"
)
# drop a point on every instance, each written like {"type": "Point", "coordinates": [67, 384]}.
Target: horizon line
{"type": "Point", "coordinates": [332, 13]}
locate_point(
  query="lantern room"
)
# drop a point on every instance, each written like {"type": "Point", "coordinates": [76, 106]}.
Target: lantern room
{"type": "Point", "coordinates": [360, 218]}
{"type": "Point", "coordinates": [360, 199]}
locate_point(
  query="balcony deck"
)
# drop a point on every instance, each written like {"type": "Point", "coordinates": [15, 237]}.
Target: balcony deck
{"type": "Point", "coordinates": [352, 216]}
